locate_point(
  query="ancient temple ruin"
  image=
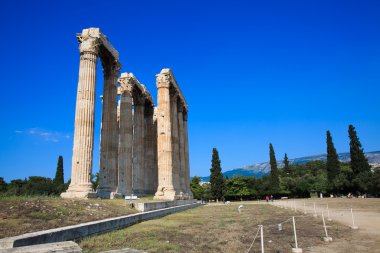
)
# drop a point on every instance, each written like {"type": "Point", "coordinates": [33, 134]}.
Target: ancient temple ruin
{"type": "Point", "coordinates": [143, 149]}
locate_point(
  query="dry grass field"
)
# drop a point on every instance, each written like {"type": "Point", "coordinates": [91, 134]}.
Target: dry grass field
{"type": "Point", "coordinates": [19, 215]}
{"type": "Point", "coordinates": [220, 228]}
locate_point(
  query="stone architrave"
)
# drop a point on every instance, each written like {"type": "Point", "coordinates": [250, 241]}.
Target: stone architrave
{"type": "Point", "coordinates": [138, 145]}
{"type": "Point", "coordinates": [125, 138]}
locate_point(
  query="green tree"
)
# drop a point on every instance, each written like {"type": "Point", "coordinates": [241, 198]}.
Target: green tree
{"type": "Point", "coordinates": [332, 163]}
{"type": "Point", "coordinates": [196, 188]}
{"type": "Point", "coordinates": [286, 165]}
{"type": "Point", "coordinates": [216, 177]}
{"type": "Point", "coordinates": [273, 171]}
{"type": "Point", "coordinates": [59, 180]}
{"type": "Point", "coordinates": [95, 181]}
{"type": "Point", "coordinates": [3, 185]}
{"type": "Point", "coordinates": [359, 163]}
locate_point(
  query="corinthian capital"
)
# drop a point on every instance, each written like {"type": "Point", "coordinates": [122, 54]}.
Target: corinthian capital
{"type": "Point", "coordinates": [88, 44]}
{"type": "Point", "coordinates": [126, 84]}
{"type": "Point", "coordinates": [163, 81]}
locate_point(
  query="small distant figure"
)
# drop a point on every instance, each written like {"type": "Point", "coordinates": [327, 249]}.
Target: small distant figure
{"type": "Point", "coordinates": [267, 198]}
{"type": "Point", "coordinates": [239, 208]}
{"type": "Point", "coordinates": [271, 198]}
{"type": "Point", "coordinates": [228, 203]}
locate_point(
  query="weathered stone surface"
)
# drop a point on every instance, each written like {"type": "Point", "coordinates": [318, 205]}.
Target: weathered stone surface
{"type": "Point", "coordinates": [56, 247]}
{"type": "Point", "coordinates": [172, 142]}
{"type": "Point", "coordinates": [79, 231]}
{"type": "Point", "coordinates": [126, 250]}
{"type": "Point", "coordinates": [93, 44]}
{"type": "Point", "coordinates": [149, 206]}
{"type": "Point", "coordinates": [142, 150]}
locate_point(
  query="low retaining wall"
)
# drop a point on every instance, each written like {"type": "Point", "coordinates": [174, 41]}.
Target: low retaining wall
{"type": "Point", "coordinates": [79, 231]}
{"type": "Point", "coordinates": [149, 206]}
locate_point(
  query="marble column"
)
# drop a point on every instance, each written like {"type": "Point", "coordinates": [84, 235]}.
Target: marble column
{"type": "Point", "coordinates": [108, 172]}
{"type": "Point", "coordinates": [125, 139]}
{"type": "Point", "coordinates": [149, 151]}
{"type": "Point", "coordinates": [181, 149]}
{"type": "Point", "coordinates": [138, 145]}
{"type": "Point", "coordinates": [175, 142]}
{"type": "Point", "coordinates": [155, 168]}
{"type": "Point", "coordinates": [187, 161]}
{"type": "Point", "coordinates": [81, 170]}
{"type": "Point", "coordinates": [165, 189]}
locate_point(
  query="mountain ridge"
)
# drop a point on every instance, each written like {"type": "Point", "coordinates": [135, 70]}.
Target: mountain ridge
{"type": "Point", "coordinates": [261, 169]}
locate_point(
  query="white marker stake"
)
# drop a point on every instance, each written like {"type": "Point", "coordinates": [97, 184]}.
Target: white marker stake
{"type": "Point", "coordinates": [262, 238]}
{"type": "Point", "coordinates": [328, 213]}
{"type": "Point", "coordinates": [315, 211]}
{"type": "Point", "coordinates": [353, 222]}
{"type": "Point", "coordinates": [296, 249]}
{"type": "Point", "coordinates": [327, 238]}
{"type": "Point", "coordinates": [295, 207]}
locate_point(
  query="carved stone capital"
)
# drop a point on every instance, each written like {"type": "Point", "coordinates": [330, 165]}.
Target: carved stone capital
{"type": "Point", "coordinates": [163, 81]}
{"type": "Point", "coordinates": [88, 44]}
{"type": "Point", "coordinates": [126, 84]}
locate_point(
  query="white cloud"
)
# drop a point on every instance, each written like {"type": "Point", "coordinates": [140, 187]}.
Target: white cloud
{"type": "Point", "coordinates": [46, 135]}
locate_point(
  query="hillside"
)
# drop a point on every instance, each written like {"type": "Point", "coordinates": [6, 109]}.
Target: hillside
{"type": "Point", "coordinates": [261, 169]}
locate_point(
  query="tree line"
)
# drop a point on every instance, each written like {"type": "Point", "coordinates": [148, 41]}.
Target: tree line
{"type": "Point", "coordinates": [327, 177]}
{"type": "Point", "coordinates": [36, 185]}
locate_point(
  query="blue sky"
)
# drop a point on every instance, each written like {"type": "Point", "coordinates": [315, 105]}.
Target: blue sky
{"type": "Point", "coordinates": [253, 72]}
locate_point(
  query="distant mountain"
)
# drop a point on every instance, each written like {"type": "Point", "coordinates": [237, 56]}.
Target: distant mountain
{"type": "Point", "coordinates": [261, 169]}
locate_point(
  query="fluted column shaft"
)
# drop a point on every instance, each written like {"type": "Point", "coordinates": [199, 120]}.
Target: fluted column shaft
{"type": "Point", "coordinates": [108, 174]}
{"type": "Point", "coordinates": [181, 149]}
{"type": "Point", "coordinates": [187, 161]}
{"type": "Point", "coordinates": [138, 147]}
{"type": "Point", "coordinates": [81, 169]}
{"type": "Point", "coordinates": [175, 143]}
{"type": "Point", "coordinates": [155, 168]}
{"type": "Point", "coordinates": [165, 189]}
{"type": "Point", "coordinates": [125, 145]}
{"type": "Point", "coordinates": [149, 150]}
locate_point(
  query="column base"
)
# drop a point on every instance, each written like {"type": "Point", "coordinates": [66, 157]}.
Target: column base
{"type": "Point", "coordinates": [79, 192]}
{"type": "Point", "coordinates": [106, 193]}
{"type": "Point", "coordinates": [166, 194]}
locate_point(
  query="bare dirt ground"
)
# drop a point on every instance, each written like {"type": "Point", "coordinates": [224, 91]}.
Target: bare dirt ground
{"type": "Point", "coordinates": [366, 214]}
{"type": "Point", "coordinates": [221, 228]}
{"type": "Point", "coordinates": [19, 215]}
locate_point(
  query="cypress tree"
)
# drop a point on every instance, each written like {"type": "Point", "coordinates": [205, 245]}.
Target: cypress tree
{"type": "Point", "coordinates": [359, 162]}
{"type": "Point", "coordinates": [332, 163]}
{"type": "Point", "coordinates": [216, 177]}
{"type": "Point", "coordinates": [273, 170]}
{"type": "Point", "coordinates": [59, 180]}
{"type": "Point", "coordinates": [286, 164]}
